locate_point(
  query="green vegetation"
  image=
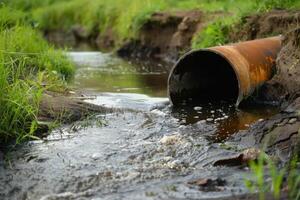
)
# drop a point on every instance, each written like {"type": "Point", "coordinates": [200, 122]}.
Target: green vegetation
{"type": "Point", "coordinates": [97, 16]}
{"type": "Point", "coordinates": [263, 187]}
{"type": "Point", "coordinates": [27, 64]}
{"type": "Point", "coordinates": [217, 31]}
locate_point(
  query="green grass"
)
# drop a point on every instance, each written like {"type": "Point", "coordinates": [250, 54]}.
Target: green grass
{"type": "Point", "coordinates": [266, 166]}
{"type": "Point", "coordinates": [27, 63]}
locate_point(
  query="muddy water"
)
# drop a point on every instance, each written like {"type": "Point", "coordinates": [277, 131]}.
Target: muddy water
{"type": "Point", "coordinates": [144, 150]}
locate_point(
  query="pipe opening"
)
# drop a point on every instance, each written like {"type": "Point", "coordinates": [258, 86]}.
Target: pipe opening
{"type": "Point", "coordinates": [203, 76]}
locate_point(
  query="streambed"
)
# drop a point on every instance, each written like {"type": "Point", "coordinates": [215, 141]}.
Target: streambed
{"type": "Point", "coordinates": [145, 149]}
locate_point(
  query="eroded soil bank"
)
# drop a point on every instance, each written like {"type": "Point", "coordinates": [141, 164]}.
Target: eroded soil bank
{"type": "Point", "coordinates": [165, 35]}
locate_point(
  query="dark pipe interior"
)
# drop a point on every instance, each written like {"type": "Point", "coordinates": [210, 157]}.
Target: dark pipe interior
{"type": "Point", "coordinates": [201, 77]}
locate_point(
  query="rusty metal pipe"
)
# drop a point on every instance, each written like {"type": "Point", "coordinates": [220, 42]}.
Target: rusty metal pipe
{"type": "Point", "coordinates": [231, 72]}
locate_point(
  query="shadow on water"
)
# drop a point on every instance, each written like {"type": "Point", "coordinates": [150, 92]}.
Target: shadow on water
{"type": "Point", "coordinates": [225, 117]}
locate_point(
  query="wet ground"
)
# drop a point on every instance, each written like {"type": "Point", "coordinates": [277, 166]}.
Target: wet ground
{"type": "Point", "coordinates": [146, 149]}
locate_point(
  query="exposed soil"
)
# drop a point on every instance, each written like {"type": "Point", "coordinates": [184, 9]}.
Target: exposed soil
{"type": "Point", "coordinates": [164, 35]}
{"type": "Point", "coordinates": [262, 25]}
{"type": "Point", "coordinates": [281, 134]}
{"type": "Point", "coordinates": [64, 108]}
{"type": "Point", "coordinates": [285, 85]}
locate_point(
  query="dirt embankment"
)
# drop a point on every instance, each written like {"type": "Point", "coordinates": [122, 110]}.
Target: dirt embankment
{"type": "Point", "coordinates": [80, 38]}
{"type": "Point", "coordinates": [262, 25]}
{"type": "Point", "coordinates": [285, 85]}
{"type": "Point", "coordinates": [281, 133]}
{"type": "Point", "coordinates": [165, 35]}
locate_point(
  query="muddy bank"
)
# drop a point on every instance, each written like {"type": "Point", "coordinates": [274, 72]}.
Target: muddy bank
{"type": "Point", "coordinates": [64, 108]}
{"type": "Point", "coordinates": [285, 85]}
{"type": "Point", "coordinates": [280, 134]}
{"type": "Point", "coordinates": [165, 35]}
{"type": "Point", "coordinates": [267, 24]}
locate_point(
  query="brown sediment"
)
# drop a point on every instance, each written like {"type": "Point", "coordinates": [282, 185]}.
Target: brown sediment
{"type": "Point", "coordinates": [64, 108]}
{"type": "Point", "coordinates": [165, 35]}
{"type": "Point", "coordinates": [266, 24]}
{"type": "Point", "coordinates": [285, 85]}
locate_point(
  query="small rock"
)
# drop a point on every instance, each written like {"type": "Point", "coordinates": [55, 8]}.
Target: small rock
{"type": "Point", "coordinates": [207, 184]}
{"type": "Point", "coordinates": [250, 154]}
{"type": "Point", "coordinates": [292, 120]}
{"type": "Point", "coordinates": [246, 156]}
{"type": "Point", "coordinates": [212, 112]}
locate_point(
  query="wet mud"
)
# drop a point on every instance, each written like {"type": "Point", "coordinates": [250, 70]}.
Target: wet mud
{"type": "Point", "coordinates": [165, 35]}
{"type": "Point", "coordinates": [261, 25]}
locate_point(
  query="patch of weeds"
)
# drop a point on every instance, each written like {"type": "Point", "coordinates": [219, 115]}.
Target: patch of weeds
{"type": "Point", "coordinates": [214, 34]}
{"type": "Point", "coordinates": [263, 167]}
{"type": "Point", "coordinates": [172, 188]}
{"type": "Point", "coordinates": [10, 17]}
{"type": "Point", "coordinates": [266, 5]}
{"type": "Point", "coordinates": [294, 180]}
{"type": "Point", "coordinates": [150, 194]}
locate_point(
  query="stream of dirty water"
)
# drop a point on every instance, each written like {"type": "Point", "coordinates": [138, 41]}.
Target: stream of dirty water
{"type": "Point", "coordinates": [143, 150]}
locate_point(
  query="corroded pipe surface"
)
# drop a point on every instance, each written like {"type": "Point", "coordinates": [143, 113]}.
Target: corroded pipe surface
{"type": "Point", "coordinates": [230, 72]}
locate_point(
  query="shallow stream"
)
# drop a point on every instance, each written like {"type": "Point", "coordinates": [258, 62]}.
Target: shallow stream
{"type": "Point", "coordinates": [145, 149]}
